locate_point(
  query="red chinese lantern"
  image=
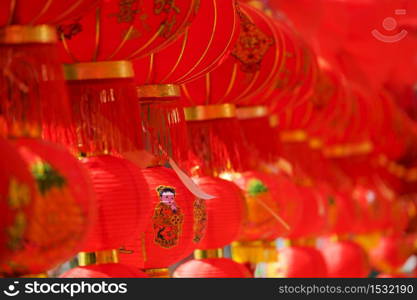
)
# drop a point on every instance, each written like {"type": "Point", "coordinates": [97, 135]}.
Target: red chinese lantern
{"type": "Point", "coordinates": [345, 259]}
{"type": "Point", "coordinates": [200, 49]}
{"type": "Point", "coordinates": [301, 262]}
{"type": "Point", "coordinates": [251, 66]}
{"type": "Point", "coordinates": [212, 268]}
{"type": "Point", "coordinates": [390, 254]}
{"type": "Point", "coordinates": [225, 212]}
{"type": "Point", "coordinates": [41, 11]}
{"type": "Point", "coordinates": [104, 271]}
{"type": "Point", "coordinates": [61, 212]}
{"type": "Point", "coordinates": [124, 206]}
{"type": "Point", "coordinates": [102, 90]}
{"type": "Point", "coordinates": [170, 236]}
{"type": "Point", "coordinates": [17, 190]}
{"type": "Point", "coordinates": [33, 94]}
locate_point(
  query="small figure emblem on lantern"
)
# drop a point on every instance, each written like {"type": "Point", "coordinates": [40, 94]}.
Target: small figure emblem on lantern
{"type": "Point", "coordinates": [167, 219]}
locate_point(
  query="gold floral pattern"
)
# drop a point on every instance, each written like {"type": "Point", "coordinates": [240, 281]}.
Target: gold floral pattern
{"type": "Point", "coordinates": [200, 219]}
{"type": "Point", "coordinates": [252, 46]}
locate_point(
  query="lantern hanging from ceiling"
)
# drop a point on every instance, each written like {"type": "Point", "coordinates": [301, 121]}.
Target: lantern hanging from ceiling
{"type": "Point", "coordinates": [101, 85]}
{"type": "Point", "coordinates": [17, 198]}
{"type": "Point", "coordinates": [172, 233]}
{"type": "Point", "coordinates": [62, 210]}
{"type": "Point", "coordinates": [198, 50]}
{"type": "Point", "coordinates": [209, 101]}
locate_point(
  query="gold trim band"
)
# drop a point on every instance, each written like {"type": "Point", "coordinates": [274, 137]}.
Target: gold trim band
{"type": "Point", "coordinates": [19, 34]}
{"type": "Point", "coordinates": [158, 91]}
{"type": "Point", "coordinates": [157, 273]}
{"type": "Point", "coordinates": [251, 112]}
{"type": "Point", "coordinates": [98, 257]}
{"type": "Point", "coordinates": [210, 112]}
{"type": "Point", "coordinates": [293, 136]}
{"type": "Point", "coordinates": [348, 149]}
{"type": "Point", "coordinates": [211, 253]}
{"type": "Point", "coordinates": [99, 70]}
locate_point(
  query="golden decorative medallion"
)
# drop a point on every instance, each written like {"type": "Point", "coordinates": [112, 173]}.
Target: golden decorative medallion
{"type": "Point", "coordinates": [200, 219]}
{"type": "Point", "coordinates": [167, 218]}
{"type": "Point", "coordinates": [252, 46]}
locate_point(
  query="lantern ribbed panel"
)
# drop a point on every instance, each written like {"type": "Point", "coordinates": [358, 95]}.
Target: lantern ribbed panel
{"type": "Point", "coordinates": [116, 29]}
{"type": "Point", "coordinates": [41, 11]}
{"type": "Point", "coordinates": [17, 194]}
{"type": "Point", "coordinates": [124, 206]}
{"type": "Point", "coordinates": [345, 259]}
{"type": "Point", "coordinates": [212, 268]}
{"type": "Point", "coordinates": [104, 271]}
{"type": "Point", "coordinates": [150, 250]}
{"type": "Point", "coordinates": [301, 262]}
{"type": "Point", "coordinates": [225, 213]}
{"type": "Point", "coordinates": [197, 51]}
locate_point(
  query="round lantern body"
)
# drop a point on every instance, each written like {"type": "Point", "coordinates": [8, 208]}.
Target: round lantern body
{"type": "Point", "coordinates": [169, 236]}
{"type": "Point", "coordinates": [17, 190]}
{"type": "Point", "coordinates": [124, 29]}
{"type": "Point", "coordinates": [273, 206]}
{"type": "Point", "coordinates": [390, 254]}
{"type": "Point", "coordinates": [41, 11]}
{"type": "Point", "coordinates": [198, 50]}
{"type": "Point", "coordinates": [61, 212]}
{"type": "Point", "coordinates": [345, 259]}
{"type": "Point", "coordinates": [104, 271]}
{"type": "Point", "coordinates": [301, 262]}
{"type": "Point", "coordinates": [225, 212]}
{"type": "Point", "coordinates": [212, 268]}
{"type": "Point", "coordinates": [123, 202]}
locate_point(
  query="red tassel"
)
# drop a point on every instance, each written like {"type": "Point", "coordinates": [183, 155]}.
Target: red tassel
{"type": "Point", "coordinates": [261, 141]}
{"type": "Point", "coordinates": [33, 96]}
{"type": "Point", "coordinates": [165, 131]}
{"type": "Point", "coordinates": [217, 145]}
{"type": "Point", "coordinates": [106, 115]}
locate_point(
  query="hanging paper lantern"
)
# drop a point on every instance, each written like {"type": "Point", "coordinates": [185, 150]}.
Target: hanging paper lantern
{"type": "Point", "coordinates": [33, 94]}
{"type": "Point", "coordinates": [345, 259]}
{"type": "Point", "coordinates": [36, 12]}
{"type": "Point", "coordinates": [201, 48]}
{"type": "Point", "coordinates": [17, 190]}
{"type": "Point", "coordinates": [300, 262]}
{"type": "Point", "coordinates": [169, 237]}
{"type": "Point", "coordinates": [104, 271]}
{"type": "Point", "coordinates": [126, 29]}
{"type": "Point", "coordinates": [225, 212]}
{"type": "Point", "coordinates": [209, 101]}
{"type": "Point", "coordinates": [61, 212]}
{"type": "Point", "coordinates": [212, 268]}
{"type": "Point", "coordinates": [390, 254]}
{"type": "Point", "coordinates": [102, 90]}
{"type": "Point", "coordinates": [124, 206]}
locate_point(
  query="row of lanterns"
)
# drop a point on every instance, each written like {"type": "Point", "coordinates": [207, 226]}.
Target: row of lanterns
{"type": "Point", "coordinates": [98, 159]}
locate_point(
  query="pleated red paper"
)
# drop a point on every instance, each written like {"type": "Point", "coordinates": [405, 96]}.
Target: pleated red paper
{"type": "Point", "coordinates": [62, 211]}
{"type": "Point", "coordinates": [124, 205]}
{"type": "Point", "coordinates": [41, 11]}
{"type": "Point", "coordinates": [104, 271]}
{"type": "Point", "coordinates": [301, 262]}
{"type": "Point", "coordinates": [169, 235]}
{"type": "Point", "coordinates": [201, 48]}
{"type": "Point", "coordinates": [345, 259]}
{"type": "Point", "coordinates": [120, 29]}
{"type": "Point", "coordinates": [225, 212]}
{"type": "Point", "coordinates": [17, 190]}
{"type": "Point", "coordinates": [212, 268]}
